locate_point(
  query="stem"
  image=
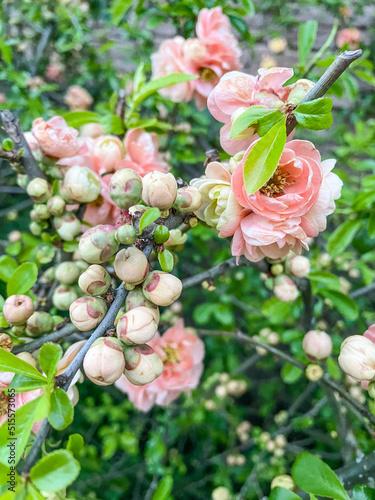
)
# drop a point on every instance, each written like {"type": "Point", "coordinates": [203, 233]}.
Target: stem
{"type": "Point", "coordinates": [363, 291]}
{"type": "Point", "coordinates": [64, 332]}
{"type": "Point", "coordinates": [332, 73]}
{"type": "Point", "coordinates": [37, 444]}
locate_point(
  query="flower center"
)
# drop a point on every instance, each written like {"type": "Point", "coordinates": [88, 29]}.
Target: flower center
{"type": "Point", "coordinates": [171, 354]}
{"type": "Point", "coordinates": [207, 75]}
{"type": "Point", "coordinates": [275, 186]}
{"type": "Point", "coordinates": [4, 398]}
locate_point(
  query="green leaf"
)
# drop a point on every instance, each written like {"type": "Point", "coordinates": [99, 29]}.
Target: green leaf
{"type": "Point", "coordinates": [280, 493]}
{"type": "Point", "coordinates": [22, 279]}
{"type": "Point", "coordinates": [326, 279]}
{"type": "Point", "coordinates": [362, 492]}
{"type": "Point", "coordinates": [306, 38]}
{"type": "Point", "coordinates": [342, 236]}
{"type": "Point", "coordinates": [268, 121]}
{"type": "Point", "coordinates": [61, 412]}
{"type": "Point", "coordinates": [316, 114]}
{"type": "Point", "coordinates": [314, 476]}
{"type": "Point", "coordinates": [118, 10]}
{"type": "Point", "coordinates": [264, 157]}
{"type": "Point", "coordinates": [23, 384]}
{"type": "Point", "coordinates": [7, 267]}
{"type": "Point", "coordinates": [55, 471]}
{"type": "Point", "coordinates": [49, 355]}
{"type": "Point", "coordinates": [148, 218]}
{"type": "Point", "coordinates": [10, 363]}
{"type": "Point", "coordinates": [249, 117]}
{"type": "Point", "coordinates": [78, 118]}
{"type": "Point", "coordinates": [160, 83]}
{"type": "Point", "coordinates": [333, 369]}
{"type": "Point", "coordinates": [163, 489]}
{"type": "Point", "coordinates": [343, 303]}
{"type": "Point", "coordinates": [75, 444]}
{"type": "Point", "coordinates": [290, 373]}
{"type": "Point", "coordinates": [166, 261]}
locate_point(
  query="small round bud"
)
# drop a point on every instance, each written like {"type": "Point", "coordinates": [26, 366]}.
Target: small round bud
{"type": "Point", "coordinates": [159, 190]}
{"type": "Point", "coordinates": [299, 266]}
{"type": "Point", "coordinates": [41, 211]}
{"type": "Point", "coordinates": [162, 288]}
{"type": "Point", "coordinates": [22, 181]}
{"type": "Point", "coordinates": [98, 244]}
{"type": "Point", "coordinates": [131, 265]}
{"type": "Point", "coordinates": [80, 185]}
{"type": "Point", "coordinates": [104, 362]}
{"type": "Point", "coordinates": [317, 345]}
{"type": "Point", "coordinates": [14, 236]}
{"type": "Point", "coordinates": [221, 391]}
{"type": "Point", "coordinates": [137, 326]}
{"type": "Point", "coordinates": [161, 234]}
{"type": "Point", "coordinates": [18, 330]}
{"type": "Point", "coordinates": [125, 188]}
{"type": "Point", "coordinates": [371, 390]}
{"type": "Point", "coordinates": [67, 226]}
{"type": "Point", "coordinates": [39, 323]}
{"type": "Point", "coordinates": [193, 222]}
{"type": "Point", "coordinates": [6, 342]}
{"type": "Point", "coordinates": [126, 234]}
{"type": "Point", "coordinates": [277, 269]}
{"type": "Point", "coordinates": [110, 150]}
{"type": "Point", "coordinates": [314, 373]}
{"type": "Point", "coordinates": [95, 280]}
{"type": "Point", "coordinates": [48, 276]}
{"type": "Point", "coordinates": [17, 309]}
{"type": "Point", "coordinates": [57, 319]}
{"type": "Point", "coordinates": [236, 388]}
{"type": "Point", "coordinates": [63, 297]}
{"type": "Point", "coordinates": [273, 338]}
{"type": "Point", "coordinates": [265, 437]}
{"type": "Point", "coordinates": [221, 493]}
{"type": "Point", "coordinates": [357, 357]}
{"type": "Point", "coordinates": [56, 206]}
{"type": "Point", "coordinates": [39, 190]}
{"type": "Point", "coordinates": [284, 481]}
{"type": "Point", "coordinates": [87, 312]}
{"type": "Point", "coordinates": [142, 365]}
{"type": "Point", "coordinates": [280, 441]}
{"type": "Point", "coordinates": [285, 289]}
{"type": "Point", "coordinates": [67, 273]}
{"type": "Point", "coordinates": [188, 199]}
{"type": "Point", "coordinates": [270, 446]}
{"type": "Point", "coordinates": [135, 298]}
{"type": "Point", "coordinates": [82, 264]}
{"type": "Point", "coordinates": [35, 228]}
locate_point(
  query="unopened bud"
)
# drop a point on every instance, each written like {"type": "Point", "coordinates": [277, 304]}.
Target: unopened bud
{"type": "Point", "coordinates": [161, 234]}
{"type": "Point", "coordinates": [299, 266]}
{"type": "Point", "coordinates": [80, 185]}
{"type": "Point", "coordinates": [159, 190]}
{"type": "Point", "coordinates": [277, 269]}
{"type": "Point", "coordinates": [317, 345]}
{"type": "Point", "coordinates": [35, 228]}
{"type": "Point", "coordinates": [188, 199]}
{"type": "Point", "coordinates": [110, 150]}
{"type": "Point", "coordinates": [95, 280]}
{"type": "Point", "coordinates": [126, 234]}
{"type": "Point", "coordinates": [98, 244]}
{"type": "Point", "coordinates": [131, 265]}
{"type": "Point", "coordinates": [235, 161]}
{"type": "Point", "coordinates": [67, 273]}
{"type": "Point", "coordinates": [176, 240]}
{"type": "Point", "coordinates": [87, 312]}
{"type": "Point", "coordinates": [283, 481]}
{"type": "Point", "coordinates": [137, 326]}
{"type": "Point", "coordinates": [280, 441]}
{"type": "Point", "coordinates": [162, 288]}
{"type": "Point", "coordinates": [17, 309]}
{"type": "Point", "coordinates": [26, 356]}
{"type": "Point", "coordinates": [273, 338]}
{"type": "Point", "coordinates": [14, 236]}
{"type": "Point", "coordinates": [135, 298]}
{"type": "Point", "coordinates": [18, 330]}
{"type": "Point", "coordinates": [56, 206]}
{"type": "Point", "coordinates": [357, 357]}
{"type": "Point", "coordinates": [39, 190]}
{"type": "Point", "coordinates": [371, 390]}
{"type": "Point", "coordinates": [63, 296]}
{"type": "Point", "coordinates": [314, 373]}
{"type": "Point", "coordinates": [142, 364]}
{"type": "Point", "coordinates": [104, 362]}
{"type": "Point", "coordinates": [221, 493]}
{"type": "Point", "coordinates": [39, 323]}
{"type": "Point", "coordinates": [125, 188]}
{"type": "Point", "coordinates": [6, 342]}
{"type": "Point", "coordinates": [67, 226]}
{"type": "Point", "coordinates": [285, 289]}
{"type": "Point", "coordinates": [41, 211]}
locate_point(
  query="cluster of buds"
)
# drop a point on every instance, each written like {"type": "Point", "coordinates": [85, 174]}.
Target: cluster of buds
{"type": "Point", "coordinates": [276, 446]}
{"type": "Point", "coordinates": [267, 336]}
{"type": "Point", "coordinates": [243, 431]}
{"type": "Point", "coordinates": [18, 310]}
{"type": "Point", "coordinates": [237, 459]}
{"type": "Point", "coordinates": [230, 387]}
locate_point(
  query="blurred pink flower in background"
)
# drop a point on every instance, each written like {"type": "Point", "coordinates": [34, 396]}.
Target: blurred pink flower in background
{"type": "Point", "coordinates": [348, 38]}
{"type": "Point", "coordinates": [182, 354]}
{"type": "Point", "coordinates": [55, 137]}
{"type": "Point", "coordinates": [2, 98]}
{"type": "Point", "coordinates": [77, 98]}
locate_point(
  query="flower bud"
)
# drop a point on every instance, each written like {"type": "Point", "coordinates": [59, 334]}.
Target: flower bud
{"type": "Point", "coordinates": [39, 190]}
{"type": "Point", "coordinates": [26, 356]}
{"type": "Point", "coordinates": [284, 481]}
{"type": "Point", "coordinates": [14, 236]}
{"type": "Point", "coordinates": [188, 199]}
{"type": "Point", "coordinates": [137, 326]}
{"type": "Point", "coordinates": [161, 234]}
{"type": "Point", "coordinates": [110, 150]}
{"type": "Point", "coordinates": [6, 342]}
{"type": "Point", "coordinates": [23, 181]}
{"type": "Point", "coordinates": [67, 272]}
{"type": "Point", "coordinates": [35, 228]}
{"type": "Point", "coordinates": [41, 211]}
{"type": "Point", "coordinates": [82, 265]}
{"type": "Point", "coordinates": [314, 373]}
{"type": "Point", "coordinates": [87, 312]}
{"type": "Point", "coordinates": [18, 330]}
{"type": "Point", "coordinates": [67, 226]}
{"type": "Point", "coordinates": [142, 365]}
{"type": "Point", "coordinates": [17, 309]}
{"type": "Point", "coordinates": [277, 269]}
{"type": "Point", "coordinates": [159, 190]}
{"type": "Point", "coordinates": [221, 493]}
{"type": "Point", "coordinates": [299, 266]}
{"type": "Point", "coordinates": [39, 323]}
{"type": "Point", "coordinates": [98, 244]}
{"type": "Point", "coordinates": [177, 239]}
{"type": "Point", "coordinates": [95, 280]}
{"type": "Point", "coordinates": [104, 362]}
{"type": "Point", "coordinates": [162, 288]}
{"type": "Point", "coordinates": [126, 234]}
{"type": "Point", "coordinates": [317, 345]}
{"type": "Point", "coordinates": [357, 357]}
{"type": "Point", "coordinates": [80, 185]}
{"type": "Point", "coordinates": [63, 297]}
{"type": "Point", "coordinates": [285, 289]}
{"type": "Point", "coordinates": [56, 206]}
{"type": "Point", "coordinates": [125, 188]}
{"type": "Point", "coordinates": [131, 265]}
{"type": "Point", "coordinates": [135, 298]}
{"type": "Point", "coordinates": [371, 390]}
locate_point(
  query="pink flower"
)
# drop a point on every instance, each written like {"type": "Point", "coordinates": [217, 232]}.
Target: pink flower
{"type": "Point", "coordinates": [370, 333]}
{"type": "Point", "coordinates": [102, 210]}
{"type": "Point", "coordinates": [55, 137]}
{"type": "Point", "coordinates": [55, 71]}
{"type": "Point", "coordinates": [348, 38]}
{"type": "Point", "coordinates": [142, 154]}
{"type": "Point", "coordinates": [238, 91]}
{"type": "Point", "coordinates": [77, 98]}
{"type": "Point", "coordinates": [182, 354]}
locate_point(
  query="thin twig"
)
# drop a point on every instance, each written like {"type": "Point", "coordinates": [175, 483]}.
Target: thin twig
{"type": "Point", "coordinates": [362, 291]}
{"type": "Point", "coordinates": [17, 207]}
{"type": "Point", "coordinates": [64, 332]}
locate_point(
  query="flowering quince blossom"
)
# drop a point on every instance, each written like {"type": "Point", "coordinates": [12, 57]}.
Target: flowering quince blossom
{"type": "Point", "coordinates": [238, 91]}
{"type": "Point", "coordinates": [213, 53]}
{"type": "Point", "coordinates": [369, 334]}
{"type": "Point", "coordinates": [182, 354]}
